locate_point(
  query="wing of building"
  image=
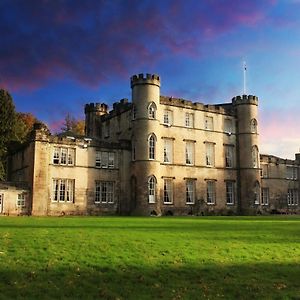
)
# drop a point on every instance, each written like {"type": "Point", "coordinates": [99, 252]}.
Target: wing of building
{"type": "Point", "coordinates": [155, 155]}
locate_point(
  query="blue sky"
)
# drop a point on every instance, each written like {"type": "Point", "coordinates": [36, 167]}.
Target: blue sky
{"type": "Point", "coordinates": [55, 56]}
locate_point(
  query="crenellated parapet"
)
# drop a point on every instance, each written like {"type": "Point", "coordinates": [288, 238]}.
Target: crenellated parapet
{"type": "Point", "coordinates": [152, 79]}
{"type": "Point", "coordinates": [100, 108]}
{"type": "Point", "coordinates": [245, 99]}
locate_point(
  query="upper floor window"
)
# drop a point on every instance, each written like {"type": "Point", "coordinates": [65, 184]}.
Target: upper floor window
{"type": "Point", "coordinates": [189, 120]}
{"type": "Point", "coordinates": [210, 154]}
{"type": "Point", "coordinates": [151, 146]}
{"type": "Point", "coordinates": [63, 190]}
{"type": "Point", "coordinates": [168, 117]}
{"type": "Point", "coordinates": [264, 171]}
{"type": "Point", "coordinates": [291, 172]}
{"type": "Point", "coordinates": [168, 150]}
{"type": "Point", "coordinates": [189, 153]}
{"type": "Point", "coordinates": [107, 129]}
{"type": "Point", "coordinates": [253, 126]}
{"type": "Point", "coordinates": [229, 151]}
{"type": "Point", "coordinates": [133, 112]}
{"type": "Point", "coordinates": [151, 189]}
{"type": "Point", "coordinates": [151, 110]}
{"type": "Point", "coordinates": [229, 192]}
{"type": "Point", "coordinates": [63, 156]}
{"type": "Point", "coordinates": [104, 192]}
{"type": "Point", "coordinates": [255, 157]}
{"type": "Point", "coordinates": [209, 123]}
{"type": "Point", "coordinates": [228, 128]}
{"type": "Point", "coordinates": [292, 197]}
{"type": "Point", "coordinates": [21, 200]}
{"type": "Point", "coordinates": [105, 159]}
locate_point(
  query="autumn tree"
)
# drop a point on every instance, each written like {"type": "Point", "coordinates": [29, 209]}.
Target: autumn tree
{"type": "Point", "coordinates": [73, 125]}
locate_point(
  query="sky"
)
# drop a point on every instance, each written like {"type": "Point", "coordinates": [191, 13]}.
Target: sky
{"type": "Point", "coordinates": [57, 55]}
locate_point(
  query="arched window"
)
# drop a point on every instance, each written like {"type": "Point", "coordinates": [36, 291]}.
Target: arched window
{"type": "Point", "coordinates": [151, 110]}
{"type": "Point", "coordinates": [151, 189]}
{"type": "Point", "coordinates": [151, 146]}
{"type": "Point", "coordinates": [255, 157]}
{"type": "Point", "coordinates": [256, 193]}
{"type": "Point", "coordinates": [253, 126]}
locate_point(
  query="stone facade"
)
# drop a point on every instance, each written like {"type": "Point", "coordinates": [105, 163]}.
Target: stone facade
{"type": "Point", "coordinates": [157, 155]}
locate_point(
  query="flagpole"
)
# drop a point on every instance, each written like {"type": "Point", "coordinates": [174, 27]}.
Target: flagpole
{"type": "Point", "coordinates": [244, 71]}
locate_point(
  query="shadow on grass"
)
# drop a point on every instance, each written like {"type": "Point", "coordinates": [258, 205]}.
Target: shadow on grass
{"type": "Point", "coordinates": [256, 281]}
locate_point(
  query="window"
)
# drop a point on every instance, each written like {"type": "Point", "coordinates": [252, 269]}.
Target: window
{"type": "Point", "coordinates": [291, 172]}
{"type": "Point", "coordinates": [229, 156]}
{"type": "Point", "coordinates": [228, 126]}
{"type": "Point", "coordinates": [211, 192]}
{"type": "Point", "coordinates": [168, 191]}
{"type": "Point", "coordinates": [257, 193]}
{"type": "Point", "coordinates": [209, 123]}
{"type": "Point", "coordinates": [255, 158]}
{"type": "Point", "coordinates": [189, 153]}
{"type": "Point", "coordinates": [105, 159]}
{"type": "Point", "coordinates": [264, 171]}
{"type": "Point", "coordinates": [63, 190]}
{"type": "Point", "coordinates": [151, 189]}
{"type": "Point", "coordinates": [151, 146]}
{"type": "Point", "coordinates": [21, 200]}
{"type": "Point", "coordinates": [229, 192]}
{"type": "Point", "coordinates": [63, 156]}
{"type": "Point", "coordinates": [133, 151]}
{"type": "Point", "coordinates": [151, 111]}
{"type": "Point", "coordinates": [292, 197]}
{"type": "Point", "coordinates": [253, 126]}
{"type": "Point", "coordinates": [167, 117]}
{"type": "Point", "coordinates": [190, 191]}
{"type": "Point", "coordinates": [210, 154]}
{"type": "Point", "coordinates": [104, 192]}
{"type": "Point", "coordinates": [265, 196]}
{"type": "Point", "coordinates": [168, 151]}
{"type": "Point", "coordinates": [133, 113]}
{"type": "Point", "coordinates": [189, 120]}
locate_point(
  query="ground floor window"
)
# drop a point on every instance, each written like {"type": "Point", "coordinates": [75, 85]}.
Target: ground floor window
{"type": "Point", "coordinates": [151, 189]}
{"type": "Point", "coordinates": [104, 192]}
{"type": "Point", "coordinates": [168, 191]}
{"type": "Point", "coordinates": [63, 190]}
{"type": "Point", "coordinates": [265, 196]}
{"type": "Point", "coordinates": [211, 192]}
{"type": "Point", "coordinates": [257, 193]}
{"type": "Point", "coordinates": [190, 191]}
{"type": "Point", "coordinates": [229, 193]}
{"type": "Point", "coordinates": [21, 200]}
{"type": "Point", "coordinates": [292, 197]}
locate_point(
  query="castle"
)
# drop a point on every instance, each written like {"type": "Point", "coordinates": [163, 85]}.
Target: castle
{"type": "Point", "coordinates": [155, 155]}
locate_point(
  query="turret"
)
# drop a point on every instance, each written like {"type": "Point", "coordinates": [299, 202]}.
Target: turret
{"type": "Point", "coordinates": [248, 153]}
{"type": "Point", "coordinates": [93, 112]}
{"type": "Point", "coordinates": [146, 139]}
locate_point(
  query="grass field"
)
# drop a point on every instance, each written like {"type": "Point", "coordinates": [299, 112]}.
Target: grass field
{"type": "Point", "coordinates": [150, 258]}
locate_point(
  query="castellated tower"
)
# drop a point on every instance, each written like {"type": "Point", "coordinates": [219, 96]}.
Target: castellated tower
{"type": "Point", "coordinates": [93, 112]}
{"type": "Point", "coordinates": [247, 153]}
{"type": "Point", "coordinates": [145, 132]}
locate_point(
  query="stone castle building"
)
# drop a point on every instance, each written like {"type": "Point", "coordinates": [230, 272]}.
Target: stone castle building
{"type": "Point", "coordinates": [154, 155]}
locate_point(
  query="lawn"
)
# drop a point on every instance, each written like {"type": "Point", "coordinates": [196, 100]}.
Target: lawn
{"type": "Point", "coordinates": [150, 258]}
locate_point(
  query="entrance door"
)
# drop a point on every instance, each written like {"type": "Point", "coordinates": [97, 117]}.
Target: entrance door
{"type": "Point", "coordinates": [1, 203]}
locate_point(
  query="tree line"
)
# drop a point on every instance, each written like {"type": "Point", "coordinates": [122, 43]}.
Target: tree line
{"type": "Point", "coordinates": [16, 126]}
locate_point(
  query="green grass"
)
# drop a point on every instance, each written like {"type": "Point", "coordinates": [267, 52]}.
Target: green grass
{"type": "Point", "coordinates": [150, 258]}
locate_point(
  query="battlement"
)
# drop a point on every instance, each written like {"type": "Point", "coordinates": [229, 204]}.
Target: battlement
{"type": "Point", "coordinates": [245, 99]}
{"type": "Point", "coordinates": [152, 79]}
{"type": "Point", "coordinates": [96, 107]}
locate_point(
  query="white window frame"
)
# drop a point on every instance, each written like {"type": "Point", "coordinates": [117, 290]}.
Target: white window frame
{"type": "Point", "coordinates": [255, 156]}
{"type": "Point", "coordinates": [168, 151]}
{"type": "Point", "coordinates": [104, 159]}
{"type": "Point", "coordinates": [1, 203]}
{"type": "Point", "coordinates": [152, 111]}
{"type": "Point", "coordinates": [190, 191]}
{"type": "Point", "coordinates": [264, 170]}
{"type": "Point", "coordinates": [257, 193]}
{"type": "Point", "coordinates": [63, 190]}
{"type": "Point", "coordinates": [230, 192]}
{"type": "Point", "coordinates": [63, 156]}
{"type": "Point", "coordinates": [291, 172]}
{"type": "Point", "coordinates": [253, 126]}
{"type": "Point", "coordinates": [210, 154]}
{"type": "Point", "coordinates": [229, 156]}
{"type": "Point", "coordinates": [189, 152]}
{"type": "Point", "coordinates": [168, 191]}
{"type": "Point", "coordinates": [292, 197]}
{"type": "Point", "coordinates": [209, 123]}
{"type": "Point", "coordinates": [189, 120]}
{"type": "Point", "coordinates": [104, 192]}
{"type": "Point", "coordinates": [265, 196]}
{"type": "Point", "coordinates": [211, 192]}
{"type": "Point", "coordinates": [151, 147]}
{"type": "Point", "coordinates": [168, 117]}
{"type": "Point", "coordinates": [21, 200]}
{"type": "Point", "coordinates": [152, 189]}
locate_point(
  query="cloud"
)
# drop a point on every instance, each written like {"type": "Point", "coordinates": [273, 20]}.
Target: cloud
{"type": "Point", "coordinates": [88, 41]}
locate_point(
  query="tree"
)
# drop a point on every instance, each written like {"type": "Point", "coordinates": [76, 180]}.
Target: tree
{"type": "Point", "coordinates": [24, 125]}
{"type": "Point", "coordinates": [73, 125]}
{"type": "Point", "coordinates": [7, 127]}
